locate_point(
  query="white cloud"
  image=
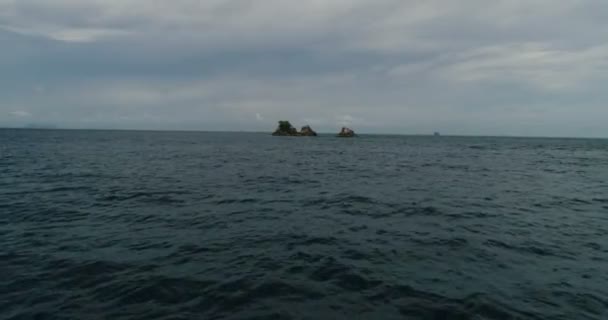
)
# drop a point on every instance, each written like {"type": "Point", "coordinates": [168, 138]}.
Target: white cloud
{"type": "Point", "coordinates": [385, 25]}
{"type": "Point", "coordinates": [20, 114]}
{"type": "Point", "coordinates": [535, 64]}
{"type": "Point", "coordinates": [67, 34]}
{"type": "Point", "coordinates": [85, 34]}
{"type": "Point", "coordinates": [345, 120]}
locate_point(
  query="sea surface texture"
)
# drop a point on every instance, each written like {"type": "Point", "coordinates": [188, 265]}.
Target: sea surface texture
{"type": "Point", "coordinates": [186, 225]}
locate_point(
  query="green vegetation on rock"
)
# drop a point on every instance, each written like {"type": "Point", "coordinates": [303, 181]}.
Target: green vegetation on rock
{"type": "Point", "coordinates": [285, 129]}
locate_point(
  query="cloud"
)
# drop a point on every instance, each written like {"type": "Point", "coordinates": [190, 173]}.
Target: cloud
{"type": "Point", "coordinates": [67, 34]}
{"type": "Point", "coordinates": [380, 66]}
{"type": "Point", "coordinates": [345, 120]}
{"type": "Point", "coordinates": [20, 114]}
{"type": "Point", "coordinates": [535, 64]}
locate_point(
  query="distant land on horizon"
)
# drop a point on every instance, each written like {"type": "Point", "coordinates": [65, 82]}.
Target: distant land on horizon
{"type": "Point", "coordinates": [322, 133]}
{"type": "Point", "coordinates": [41, 126]}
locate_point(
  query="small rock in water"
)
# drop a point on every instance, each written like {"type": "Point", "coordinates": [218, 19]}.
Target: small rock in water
{"type": "Point", "coordinates": [346, 133]}
{"type": "Point", "coordinates": [307, 131]}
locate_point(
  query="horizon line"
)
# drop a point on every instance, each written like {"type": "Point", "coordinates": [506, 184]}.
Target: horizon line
{"type": "Point", "coordinates": [321, 133]}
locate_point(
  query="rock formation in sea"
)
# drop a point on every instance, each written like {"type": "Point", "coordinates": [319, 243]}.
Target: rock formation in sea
{"type": "Point", "coordinates": [346, 133]}
{"type": "Point", "coordinates": [307, 131]}
{"type": "Point", "coordinates": [286, 129]}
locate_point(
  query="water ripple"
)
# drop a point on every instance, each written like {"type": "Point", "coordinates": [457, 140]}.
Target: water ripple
{"type": "Point", "coordinates": [152, 225]}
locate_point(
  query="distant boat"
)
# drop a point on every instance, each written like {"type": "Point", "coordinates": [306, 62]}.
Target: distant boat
{"type": "Point", "coordinates": [436, 134]}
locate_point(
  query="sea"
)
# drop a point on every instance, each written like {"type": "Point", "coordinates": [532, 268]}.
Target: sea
{"type": "Point", "coordinates": [196, 225]}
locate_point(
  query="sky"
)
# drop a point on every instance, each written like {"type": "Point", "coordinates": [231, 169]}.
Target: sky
{"type": "Point", "coordinates": [470, 67]}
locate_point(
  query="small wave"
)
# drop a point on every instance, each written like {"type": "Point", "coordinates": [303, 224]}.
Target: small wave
{"type": "Point", "coordinates": [163, 290]}
{"type": "Point", "coordinates": [342, 276]}
{"type": "Point", "coordinates": [191, 251]}
{"type": "Point", "coordinates": [453, 243]}
{"type": "Point", "coordinates": [342, 200]}
{"type": "Point", "coordinates": [386, 210]}
{"type": "Point", "coordinates": [159, 290]}
{"type": "Point", "coordinates": [274, 201]}
{"type": "Point", "coordinates": [590, 304]}
{"type": "Point", "coordinates": [527, 249]}
{"type": "Point", "coordinates": [50, 190]}
{"type": "Point", "coordinates": [147, 245]}
{"type": "Point", "coordinates": [13, 258]}
{"type": "Point", "coordinates": [282, 181]}
{"type": "Point", "coordinates": [306, 241]}
{"type": "Point", "coordinates": [305, 257]}
{"type": "Point", "coordinates": [52, 216]}
{"type": "Point", "coordinates": [167, 200]}
{"type": "Point", "coordinates": [417, 210]}
{"type": "Point", "coordinates": [593, 245]}
{"type": "Point", "coordinates": [358, 228]}
{"type": "Point", "coordinates": [579, 201]}
{"type": "Point", "coordinates": [71, 274]}
{"type": "Point", "coordinates": [354, 254]}
{"type": "Point", "coordinates": [472, 215]}
{"type": "Point", "coordinates": [145, 198]}
{"type": "Point", "coordinates": [283, 289]}
{"type": "Point", "coordinates": [233, 295]}
{"type": "Point", "coordinates": [418, 304]}
{"type": "Point", "coordinates": [236, 201]}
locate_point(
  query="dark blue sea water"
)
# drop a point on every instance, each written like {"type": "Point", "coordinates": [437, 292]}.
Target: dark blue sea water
{"type": "Point", "coordinates": [185, 225]}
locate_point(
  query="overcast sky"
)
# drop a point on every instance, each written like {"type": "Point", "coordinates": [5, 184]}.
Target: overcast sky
{"type": "Point", "coordinates": [502, 67]}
